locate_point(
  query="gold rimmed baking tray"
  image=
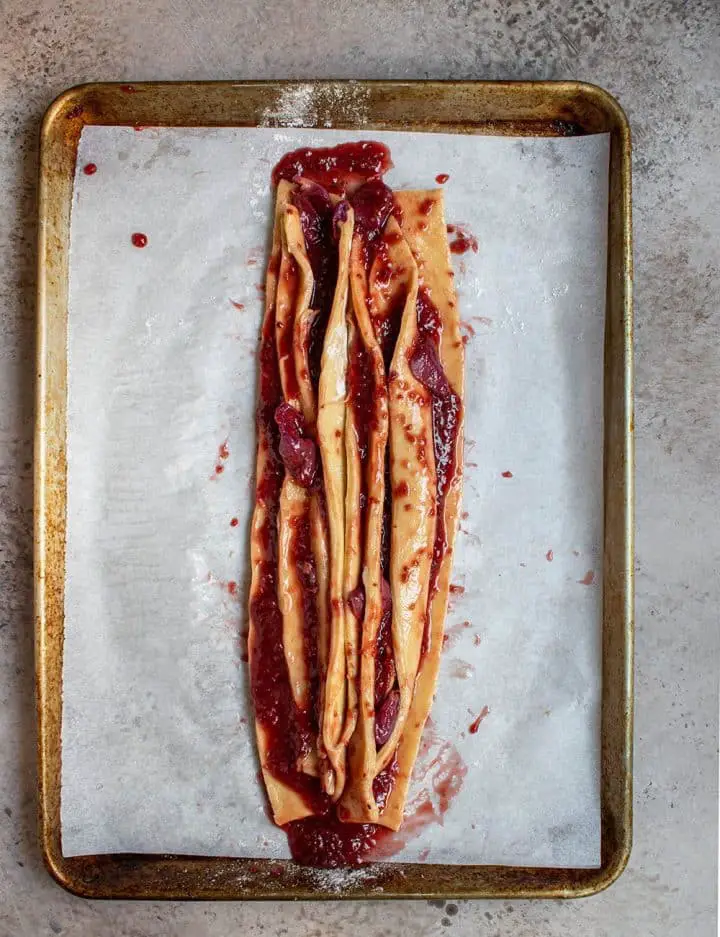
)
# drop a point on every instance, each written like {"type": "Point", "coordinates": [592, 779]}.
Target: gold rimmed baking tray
{"type": "Point", "coordinates": [508, 108]}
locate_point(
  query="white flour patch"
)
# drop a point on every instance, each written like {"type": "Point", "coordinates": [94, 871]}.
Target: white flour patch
{"type": "Point", "coordinates": [318, 105]}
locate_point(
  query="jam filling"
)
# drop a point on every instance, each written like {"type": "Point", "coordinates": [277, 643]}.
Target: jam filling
{"type": "Point", "coordinates": [339, 169]}
{"type": "Point", "coordinates": [289, 730]}
{"type": "Point", "coordinates": [387, 325]}
{"type": "Point", "coordinates": [446, 413]}
{"type": "Point", "coordinates": [353, 171]}
{"type": "Point", "coordinates": [290, 279]}
{"type": "Point", "coordinates": [361, 387]}
{"type": "Point", "coordinates": [307, 574]}
{"type": "Point", "coordinates": [298, 452]}
{"type": "Point", "coordinates": [361, 395]}
{"type": "Point", "coordinates": [372, 203]}
{"type": "Point", "coordinates": [384, 657]}
{"type": "Point", "coordinates": [319, 220]}
{"type": "Point", "coordinates": [326, 842]}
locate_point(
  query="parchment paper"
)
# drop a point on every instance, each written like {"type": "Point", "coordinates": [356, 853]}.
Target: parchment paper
{"type": "Point", "coordinates": [158, 745]}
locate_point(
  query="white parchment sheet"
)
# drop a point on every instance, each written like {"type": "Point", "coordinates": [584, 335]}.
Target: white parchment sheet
{"type": "Point", "coordinates": [157, 740]}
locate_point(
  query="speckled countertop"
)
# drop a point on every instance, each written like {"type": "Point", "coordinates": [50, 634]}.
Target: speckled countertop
{"type": "Point", "coordinates": [661, 58]}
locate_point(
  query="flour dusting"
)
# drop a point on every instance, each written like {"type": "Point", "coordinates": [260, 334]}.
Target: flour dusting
{"type": "Point", "coordinates": [318, 105]}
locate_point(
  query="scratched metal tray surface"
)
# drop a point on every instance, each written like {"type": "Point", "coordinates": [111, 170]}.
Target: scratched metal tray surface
{"type": "Point", "coordinates": [508, 108]}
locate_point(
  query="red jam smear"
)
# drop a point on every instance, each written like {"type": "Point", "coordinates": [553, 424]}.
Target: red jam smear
{"type": "Point", "coordinates": [426, 367]}
{"type": "Point", "coordinates": [384, 782]}
{"type": "Point", "coordinates": [290, 278]}
{"type": "Point", "coordinates": [386, 710]}
{"type": "Point", "coordinates": [463, 240]}
{"type": "Point", "coordinates": [387, 326]}
{"type": "Point", "coordinates": [319, 221]}
{"type": "Point", "coordinates": [446, 415]}
{"type": "Point", "coordinates": [361, 389]}
{"type": "Point", "coordinates": [384, 658]}
{"type": "Point", "coordinates": [339, 169]}
{"type": "Point", "coordinates": [356, 602]}
{"type": "Point", "coordinates": [328, 843]}
{"type": "Point", "coordinates": [307, 575]}
{"type": "Point", "coordinates": [386, 717]}
{"type": "Point", "coordinates": [373, 204]}
{"type": "Point", "coordinates": [361, 397]}
{"type": "Point", "coordinates": [477, 722]}
{"type": "Point", "coordinates": [297, 451]}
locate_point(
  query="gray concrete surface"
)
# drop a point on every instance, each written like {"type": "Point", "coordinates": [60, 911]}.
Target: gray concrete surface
{"type": "Point", "coordinates": [661, 58]}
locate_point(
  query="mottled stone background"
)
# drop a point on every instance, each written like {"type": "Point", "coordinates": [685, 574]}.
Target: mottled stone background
{"type": "Point", "coordinates": [661, 58]}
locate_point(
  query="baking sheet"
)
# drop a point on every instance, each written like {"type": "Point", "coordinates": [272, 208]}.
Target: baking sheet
{"type": "Point", "coordinates": [158, 752]}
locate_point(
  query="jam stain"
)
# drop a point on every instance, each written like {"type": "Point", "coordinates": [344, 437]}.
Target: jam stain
{"type": "Point", "coordinates": [89, 169]}
{"type": "Point", "coordinates": [461, 669]}
{"type": "Point", "coordinates": [222, 457]}
{"type": "Point", "coordinates": [234, 522]}
{"type": "Point", "coordinates": [463, 241]}
{"type": "Point", "coordinates": [339, 169]}
{"type": "Point", "coordinates": [440, 772]}
{"type": "Point", "coordinates": [442, 178]}
{"type": "Point", "coordinates": [588, 579]}
{"type": "Point", "coordinates": [138, 239]}
{"type": "Point", "coordinates": [507, 474]}
{"type": "Point", "coordinates": [229, 586]}
{"type": "Point", "coordinates": [237, 305]}
{"type": "Point", "coordinates": [476, 723]}
{"type": "Point", "coordinates": [453, 633]}
{"type": "Point", "coordinates": [549, 556]}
